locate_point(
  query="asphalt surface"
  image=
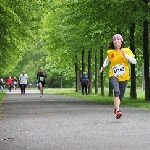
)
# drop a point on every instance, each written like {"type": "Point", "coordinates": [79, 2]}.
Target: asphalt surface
{"type": "Point", "coordinates": [55, 122]}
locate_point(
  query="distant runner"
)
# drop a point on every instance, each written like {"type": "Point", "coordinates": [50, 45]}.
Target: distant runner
{"type": "Point", "coordinates": [41, 76]}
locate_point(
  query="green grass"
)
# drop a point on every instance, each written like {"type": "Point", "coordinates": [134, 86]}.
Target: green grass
{"type": "Point", "coordinates": [139, 102]}
{"type": "Point", "coordinates": [2, 95]}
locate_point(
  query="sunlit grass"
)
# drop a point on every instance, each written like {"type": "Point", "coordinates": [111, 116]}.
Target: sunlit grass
{"type": "Point", "coordinates": [2, 95]}
{"type": "Point", "coordinates": [127, 101]}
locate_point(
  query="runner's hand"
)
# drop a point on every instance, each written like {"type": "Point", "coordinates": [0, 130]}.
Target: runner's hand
{"type": "Point", "coordinates": [123, 52]}
{"type": "Point", "coordinates": [102, 68]}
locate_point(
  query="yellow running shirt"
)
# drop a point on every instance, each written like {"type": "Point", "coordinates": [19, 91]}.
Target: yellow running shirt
{"type": "Point", "coordinates": [119, 66]}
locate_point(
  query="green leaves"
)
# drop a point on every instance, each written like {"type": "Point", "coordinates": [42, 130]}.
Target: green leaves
{"type": "Point", "coordinates": [61, 29]}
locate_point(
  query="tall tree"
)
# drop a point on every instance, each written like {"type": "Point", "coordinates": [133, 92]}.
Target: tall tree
{"type": "Point", "coordinates": [90, 70]}
{"type": "Point", "coordinates": [133, 93]}
{"type": "Point", "coordinates": [101, 75]}
{"type": "Point", "coordinates": [96, 73]}
{"type": "Point", "coordinates": [77, 71]}
{"type": "Point", "coordinates": [146, 53]}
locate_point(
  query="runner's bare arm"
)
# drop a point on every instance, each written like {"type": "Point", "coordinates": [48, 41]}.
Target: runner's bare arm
{"type": "Point", "coordinates": [131, 59]}
{"type": "Point", "coordinates": [104, 64]}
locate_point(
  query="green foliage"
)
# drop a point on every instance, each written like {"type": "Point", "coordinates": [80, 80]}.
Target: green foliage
{"type": "Point", "coordinates": [50, 33]}
{"type": "Point", "coordinates": [58, 80]}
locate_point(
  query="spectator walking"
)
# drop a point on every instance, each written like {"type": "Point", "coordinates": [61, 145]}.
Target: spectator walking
{"type": "Point", "coordinates": [41, 76]}
{"type": "Point", "coordinates": [9, 83]}
{"type": "Point", "coordinates": [119, 58]}
{"type": "Point", "coordinates": [23, 80]}
{"type": "Point", "coordinates": [85, 83]}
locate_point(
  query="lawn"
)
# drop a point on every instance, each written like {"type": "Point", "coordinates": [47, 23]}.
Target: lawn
{"type": "Point", "coordinates": [2, 95]}
{"type": "Point", "coordinates": [139, 102]}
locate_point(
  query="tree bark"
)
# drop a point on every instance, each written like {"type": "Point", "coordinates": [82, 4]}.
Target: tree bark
{"type": "Point", "coordinates": [96, 74]}
{"type": "Point", "coordinates": [101, 75]}
{"type": "Point", "coordinates": [146, 53]}
{"type": "Point", "coordinates": [133, 93]}
{"type": "Point", "coordinates": [77, 74]}
{"type": "Point", "coordinates": [90, 71]}
{"type": "Point", "coordinates": [83, 63]}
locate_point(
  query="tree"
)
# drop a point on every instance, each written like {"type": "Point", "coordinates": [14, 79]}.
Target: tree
{"type": "Point", "coordinates": [146, 53]}
{"type": "Point", "coordinates": [133, 93]}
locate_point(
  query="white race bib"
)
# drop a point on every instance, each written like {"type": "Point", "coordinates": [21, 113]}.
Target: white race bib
{"type": "Point", "coordinates": [41, 78]}
{"type": "Point", "coordinates": [118, 70]}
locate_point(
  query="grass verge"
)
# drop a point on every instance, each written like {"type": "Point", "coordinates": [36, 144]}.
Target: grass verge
{"type": "Point", "coordinates": [127, 101]}
{"type": "Point", "coordinates": [2, 95]}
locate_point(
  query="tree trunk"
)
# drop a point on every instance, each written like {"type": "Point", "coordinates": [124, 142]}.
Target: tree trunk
{"type": "Point", "coordinates": [61, 81]}
{"type": "Point", "coordinates": [90, 71]}
{"type": "Point", "coordinates": [77, 74]}
{"type": "Point", "coordinates": [146, 61]}
{"type": "Point", "coordinates": [146, 54]}
{"type": "Point", "coordinates": [101, 75]}
{"type": "Point", "coordinates": [133, 93]}
{"type": "Point", "coordinates": [96, 74]}
{"type": "Point", "coordinates": [80, 75]}
{"type": "Point", "coordinates": [83, 63]}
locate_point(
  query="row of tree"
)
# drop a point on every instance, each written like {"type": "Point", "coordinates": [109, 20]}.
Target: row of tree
{"type": "Point", "coordinates": [68, 37]}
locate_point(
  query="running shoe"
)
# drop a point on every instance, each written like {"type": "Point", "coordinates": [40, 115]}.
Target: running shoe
{"type": "Point", "coordinates": [118, 114]}
{"type": "Point", "coordinates": [114, 111]}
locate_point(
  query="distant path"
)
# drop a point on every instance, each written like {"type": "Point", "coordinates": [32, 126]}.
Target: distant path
{"type": "Point", "coordinates": [18, 91]}
{"type": "Point", "coordinates": [56, 122]}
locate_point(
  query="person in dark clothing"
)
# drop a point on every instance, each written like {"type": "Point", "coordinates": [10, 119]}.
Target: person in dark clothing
{"type": "Point", "coordinates": [84, 82]}
{"type": "Point", "coordinates": [41, 76]}
{"type": "Point", "coordinates": [1, 85]}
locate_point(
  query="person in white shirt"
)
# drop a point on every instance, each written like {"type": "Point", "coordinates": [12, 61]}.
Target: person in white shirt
{"type": "Point", "coordinates": [23, 81]}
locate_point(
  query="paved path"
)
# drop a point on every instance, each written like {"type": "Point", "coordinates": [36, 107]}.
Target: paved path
{"type": "Point", "coordinates": [54, 122]}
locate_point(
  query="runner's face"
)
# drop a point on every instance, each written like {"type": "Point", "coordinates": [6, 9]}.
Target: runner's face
{"type": "Point", "coordinates": [117, 43]}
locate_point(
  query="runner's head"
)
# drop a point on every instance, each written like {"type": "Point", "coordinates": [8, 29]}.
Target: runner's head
{"type": "Point", "coordinates": [117, 42]}
{"type": "Point", "coordinates": [23, 72]}
{"type": "Point", "coordinates": [41, 69]}
{"type": "Point", "coordinates": [117, 37]}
